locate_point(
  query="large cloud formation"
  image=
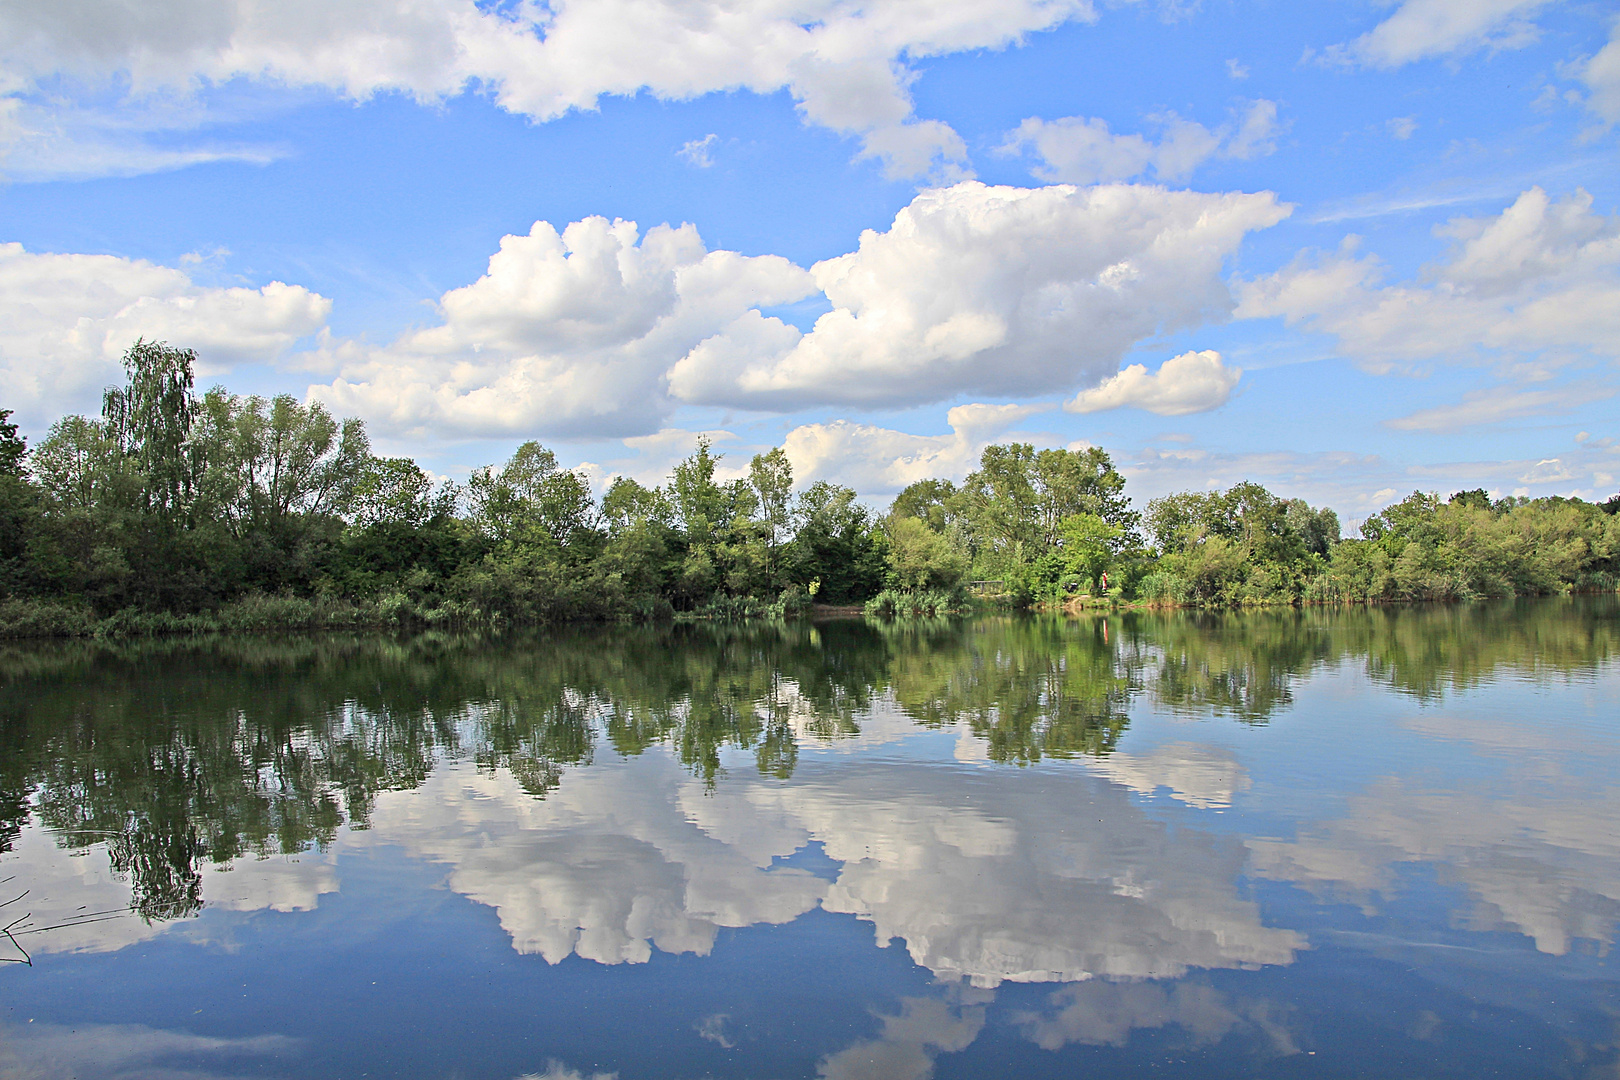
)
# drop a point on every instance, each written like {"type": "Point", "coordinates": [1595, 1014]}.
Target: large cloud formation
{"type": "Point", "coordinates": [64, 883]}
{"type": "Point", "coordinates": [598, 330]}
{"type": "Point", "coordinates": [845, 64]}
{"type": "Point", "coordinates": [66, 319]}
{"type": "Point", "coordinates": [972, 871]}
{"type": "Point", "coordinates": [1530, 291]}
{"type": "Point", "coordinates": [993, 290]}
{"type": "Point", "coordinates": [568, 333]}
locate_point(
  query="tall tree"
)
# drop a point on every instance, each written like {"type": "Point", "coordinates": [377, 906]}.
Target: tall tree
{"type": "Point", "coordinates": [530, 492]}
{"type": "Point", "coordinates": [13, 448]}
{"type": "Point", "coordinates": [698, 499]}
{"type": "Point", "coordinates": [1015, 503]}
{"type": "Point", "coordinates": [925, 500]}
{"type": "Point", "coordinates": [79, 468]}
{"type": "Point", "coordinates": [18, 505]}
{"type": "Point", "coordinates": [149, 419]}
{"type": "Point", "coordinates": [772, 478]}
{"type": "Point", "coordinates": [259, 462]}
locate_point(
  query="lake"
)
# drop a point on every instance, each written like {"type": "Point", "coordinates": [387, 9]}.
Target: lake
{"type": "Point", "coordinates": [1326, 843]}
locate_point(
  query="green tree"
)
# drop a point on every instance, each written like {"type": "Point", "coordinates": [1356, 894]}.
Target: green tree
{"type": "Point", "coordinates": [149, 420]}
{"type": "Point", "coordinates": [637, 556]}
{"type": "Point", "coordinates": [838, 545]}
{"type": "Point", "coordinates": [1013, 506]}
{"type": "Point", "coordinates": [79, 468]}
{"type": "Point", "coordinates": [772, 478]}
{"type": "Point", "coordinates": [920, 558]}
{"type": "Point", "coordinates": [13, 449]}
{"type": "Point", "coordinates": [531, 493]}
{"type": "Point", "coordinates": [19, 508]}
{"type": "Point", "coordinates": [262, 462]}
{"type": "Point", "coordinates": [927, 501]}
{"type": "Point", "coordinates": [393, 491]}
{"type": "Point", "coordinates": [1318, 529]}
{"type": "Point", "coordinates": [1089, 544]}
{"type": "Point", "coordinates": [628, 504]}
{"type": "Point", "coordinates": [700, 505]}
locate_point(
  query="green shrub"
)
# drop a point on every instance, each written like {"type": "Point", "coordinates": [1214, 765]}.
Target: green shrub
{"type": "Point", "coordinates": [1164, 587]}
{"type": "Point", "coordinates": [45, 618]}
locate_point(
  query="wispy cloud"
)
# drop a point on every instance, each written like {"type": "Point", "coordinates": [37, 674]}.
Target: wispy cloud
{"type": "Point", "coordinates": [1081, 150]}
{"type": "Point", "coordinates": [1502, 403]}
{"type": "Point", "coordinates": [699, 152]}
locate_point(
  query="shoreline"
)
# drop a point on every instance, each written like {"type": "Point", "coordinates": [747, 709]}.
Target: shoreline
{"type": "Point", "coordinates": [40, 620]}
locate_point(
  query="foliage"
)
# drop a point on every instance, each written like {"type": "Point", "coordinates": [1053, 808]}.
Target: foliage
{"type": "Point", "coordinates": [176, 513]}
{"type": "Point", "coordinates": [916, 604]}
{"type": "Point", "coordinates": [13, 448]}
{"type": "Point", "coordinates": [169, 512]}
{"type": "Point", "coordinates": [921, 559]}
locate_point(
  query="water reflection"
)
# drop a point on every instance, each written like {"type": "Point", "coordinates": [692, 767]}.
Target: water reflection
{"type": "Point", "coordinates": [988, 878]}
{"type": "Point", "coordinates": [1540, 862]}
{"type": "Point", "coordinates": [175, 755]}
{"type": "Point", "coordinates": [964, 792]}
{"type": "Point", "coordinates": [1107, 1013]}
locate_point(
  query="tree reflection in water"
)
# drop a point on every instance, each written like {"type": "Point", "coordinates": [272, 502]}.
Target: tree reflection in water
{"type": "Point", "coordinates": [184, 752]}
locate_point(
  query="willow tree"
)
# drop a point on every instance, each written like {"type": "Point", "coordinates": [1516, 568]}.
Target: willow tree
{"type": "Point", "coordinates": [149, 420]}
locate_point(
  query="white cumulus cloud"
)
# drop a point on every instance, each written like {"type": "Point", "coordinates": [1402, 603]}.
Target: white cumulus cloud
{"type": "Point", "coordinates": [602, 330]}
{"type": "Point", "coordinates": [906, 1047]}
{"type": "Point", "coordinates": [846, 65]}
{"type": "Point", "coordinates": [988, 290]}
{"type": "Point", "coordinates": [565, 333]}
{"type": "Point", "coordinates": [635, 855]}
{"type": "Point", "coordinates": [599, 330]}
{"type": "Point", "coordinates": [63, 884]}
{"type": "Point", "coordinates": [65, 320]}
{"type": "Point", "coordinates": [1102, 1013]}
{"type": "Point", "coordinates": [1557, 882]}
{"type": "Point", "coordinates": [1189, 383]}
{"type": "Point", "coordinates": [1208, 777]}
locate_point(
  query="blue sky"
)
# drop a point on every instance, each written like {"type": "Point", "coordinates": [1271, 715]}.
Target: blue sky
{"type": "Point", "coordinates": [1347, 249]}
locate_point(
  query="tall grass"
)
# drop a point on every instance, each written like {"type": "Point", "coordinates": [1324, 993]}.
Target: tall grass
{"type": "Point", "coordinates": [923, 603]}
{"type": "Point", "coordinates": [249, 615]}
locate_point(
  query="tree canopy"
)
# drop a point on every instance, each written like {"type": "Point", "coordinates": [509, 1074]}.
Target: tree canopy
{"type": "Point", "coordinates": [173, 503]}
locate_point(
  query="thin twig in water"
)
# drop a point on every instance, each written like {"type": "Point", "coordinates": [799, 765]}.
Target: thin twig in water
{"type": "Point", "coordinates": [6, 930]}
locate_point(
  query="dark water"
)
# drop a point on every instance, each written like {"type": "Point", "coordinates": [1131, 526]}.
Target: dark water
{"type": "Point", "coordinates": [1381, 844]}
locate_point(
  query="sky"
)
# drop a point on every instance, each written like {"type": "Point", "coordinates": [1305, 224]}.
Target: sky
{"type": "Point", "coordinates": [1347, 249]}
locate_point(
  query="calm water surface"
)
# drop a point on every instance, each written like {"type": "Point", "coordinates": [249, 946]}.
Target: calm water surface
{"type": "Point", "coordinates": [1362, 843]}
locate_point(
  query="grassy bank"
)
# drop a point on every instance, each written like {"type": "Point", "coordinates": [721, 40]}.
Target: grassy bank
{"type": "Point", "coordinates": [31, 618]}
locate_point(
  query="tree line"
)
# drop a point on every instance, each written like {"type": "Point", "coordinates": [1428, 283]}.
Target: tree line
{"type": "Point", "coordinates": [174, 510]}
